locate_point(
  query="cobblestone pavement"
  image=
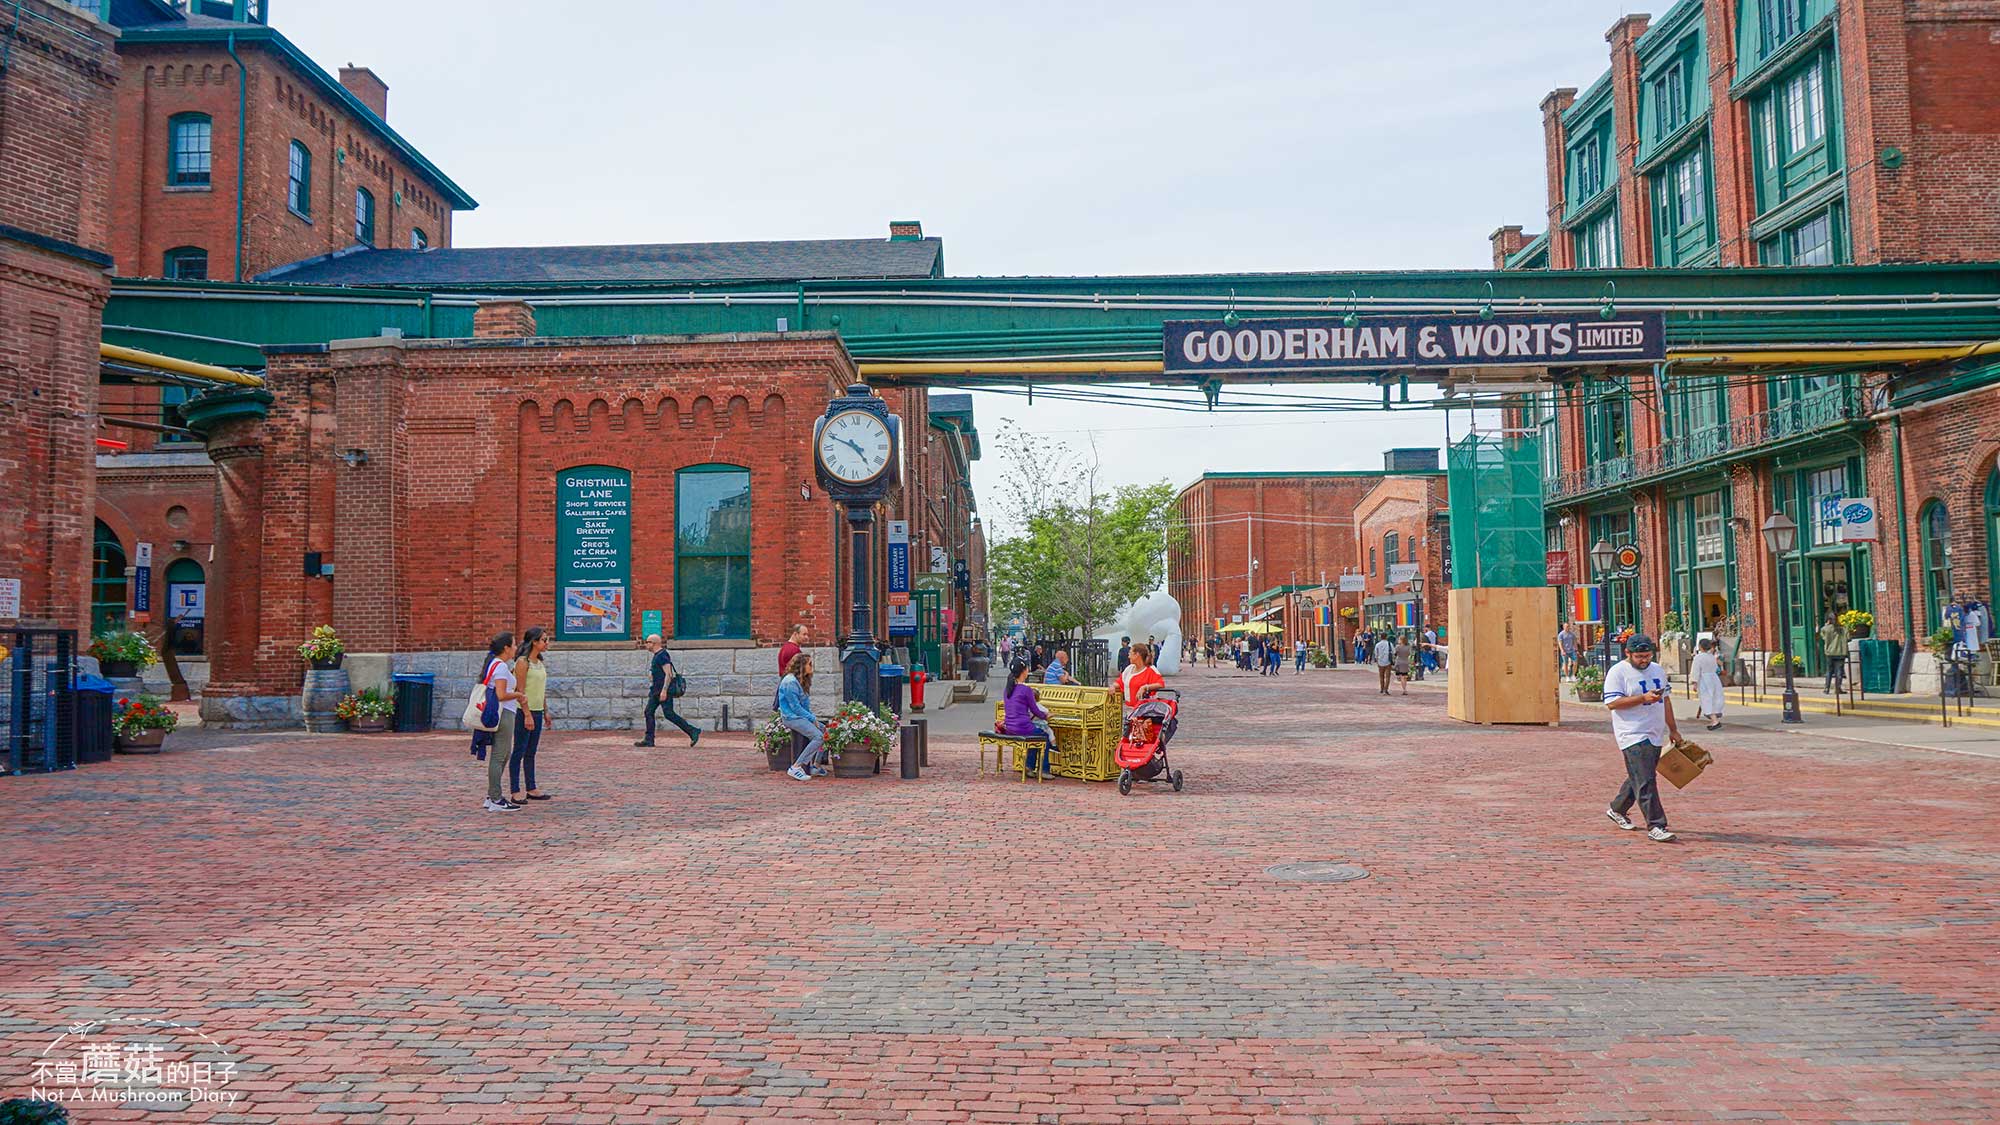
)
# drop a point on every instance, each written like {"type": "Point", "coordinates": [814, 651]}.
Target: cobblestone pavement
{"type": "Point", "coordinates": [681, 934]}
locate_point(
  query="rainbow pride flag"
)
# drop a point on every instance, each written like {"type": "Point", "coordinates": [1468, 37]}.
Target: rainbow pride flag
{"type": "Point", "coordinates": [1586, 604]}
{"type": "Point", "coordinates": [1406, 615]}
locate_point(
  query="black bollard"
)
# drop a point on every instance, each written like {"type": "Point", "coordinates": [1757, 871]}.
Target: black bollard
{"type": "Point", "coordinates": [923, 741]}
{"type": "Point", "coordinates": [908, 735]}
{"type": "Point", "coordinates": [725, 718]}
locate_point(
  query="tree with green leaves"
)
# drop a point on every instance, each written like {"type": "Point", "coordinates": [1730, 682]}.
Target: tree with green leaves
{"type": "Point", "coordinates": [1078, 553]}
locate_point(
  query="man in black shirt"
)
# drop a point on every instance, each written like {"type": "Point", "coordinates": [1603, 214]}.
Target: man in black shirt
{"type": "Point", "coordinates": [658, 699]}
{"type": "Point", "coordinates": [1124, 655]}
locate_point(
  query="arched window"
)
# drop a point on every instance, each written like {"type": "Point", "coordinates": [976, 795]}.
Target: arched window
{"type": "Point", "coordinates": [107, 582]}
{"type": "Point", "coordinates": [1934, 528]}
{"type": "Point", "coordinates": [712, 551]}
{"type": "Point", "coordinates": [364, 216]}
{"type": "Point", "coordinates": [187, 604]}
{"type": "Point", "coordinates": [188, 150]}
{"type": "Point", "coordinates": [186, 263]}
{"type": "Point", "coordinates": [1390, 555]}
{"type": "Point", "coordinates": [418, 239]}
{"type": "Point", "coordinates": [298, 181]}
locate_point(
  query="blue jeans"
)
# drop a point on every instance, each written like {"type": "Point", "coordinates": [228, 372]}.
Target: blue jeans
{"type": "Point", "coordinates": [1044, 758]}
{"type": "Point", "coordinates": [815, 743]}
{"type": "Point", "coordinates": [526, 740]}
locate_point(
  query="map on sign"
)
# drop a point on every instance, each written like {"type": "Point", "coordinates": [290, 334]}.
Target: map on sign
{"type": "Point", "coordinates": [594, 609]}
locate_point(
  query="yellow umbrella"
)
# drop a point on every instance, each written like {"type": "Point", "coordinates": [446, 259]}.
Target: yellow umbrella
{"type": "Point", "coordinates": [1251, 627]}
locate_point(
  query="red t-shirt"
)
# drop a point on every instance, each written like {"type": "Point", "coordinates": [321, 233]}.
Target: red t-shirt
{"type": "Point", "coordinates": [785, 653]}
{"type": "Point", "coordinates": [1134, 684]}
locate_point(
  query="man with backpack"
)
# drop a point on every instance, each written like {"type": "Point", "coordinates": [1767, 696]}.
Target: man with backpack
{"type": "Point", "coordinates": [661, 697]}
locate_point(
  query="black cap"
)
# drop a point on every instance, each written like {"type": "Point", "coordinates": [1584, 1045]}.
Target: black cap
{"type": "Point", "coordinates": [1640, 642]}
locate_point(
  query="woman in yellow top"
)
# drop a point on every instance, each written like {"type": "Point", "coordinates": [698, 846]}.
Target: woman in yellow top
{"type": "Point", "coordinates": [531, 719]}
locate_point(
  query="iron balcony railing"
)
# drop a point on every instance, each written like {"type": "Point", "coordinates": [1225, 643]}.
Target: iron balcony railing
{"type": "Point", "coordinates": [1823, 409]}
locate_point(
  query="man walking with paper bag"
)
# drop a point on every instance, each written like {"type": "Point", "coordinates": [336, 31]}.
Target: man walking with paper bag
{"type": "Point", "coordinates": [1635, 692]}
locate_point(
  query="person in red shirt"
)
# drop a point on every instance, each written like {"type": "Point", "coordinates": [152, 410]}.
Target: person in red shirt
{"type": "Point", "coordinates": [1140, 679]}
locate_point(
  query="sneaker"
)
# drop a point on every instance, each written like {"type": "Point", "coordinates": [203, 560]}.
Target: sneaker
{"type": "Point", "coordinates": [643, 742]}
{"type": "Point", "coordinates": [820, 771]}
{"type": "Point", "coordinates": [694, 737]}
{"type": "Point", "coordinates": [492, 805]}
{"type": "Point", "coordinates": [1659, 835]}
{"type": "Point", "coordinates": [509, 805]}
{"type": "Point", "coordinates": [1619, 819]}
{"type": "Point", "coordinates": [797, 774]}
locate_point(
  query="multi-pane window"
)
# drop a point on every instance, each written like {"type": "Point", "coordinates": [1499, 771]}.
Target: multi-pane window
{"type": "Point", "coordinates": [188, 150]}
{"type": "Point", "coordinates": [1551, 434]}
{"type": "Point", "coordinates": [1708, 528]}
{"type": "Point", "coordinates": [1779, 20]}
{"type": "Point", "coordinates": [1690, 189]}
{"type": "Point", "coordinates": [1811, 242]}
{"type": "Point", "coordinates": [1935, 524]}
{"type": "Point", "coordinates": [1390, 549]}
{"type": "Point", "coordinates": [418, 239]}
{"type": "Point", "coordinates": [1606, 422]}
{"type": "Point", "coordinates": [186, 263]}
{"type": "Point", "coordinates": [1589, 157]}
{"type": "Point", "coordinates": [1670, 100]}
{"type": "Point", "coordinates": [1825, 489]}
{"type": "Point", "coordinates": [1802, 100]}
{"type": "Point", "coordinates": [1597, 243]}
{"type": "Point", "coordinates": [364, 216]}
{"type": "Point", "coordinates": [298, 181]}
{"type": "Point", "coordinates": [712, 551]}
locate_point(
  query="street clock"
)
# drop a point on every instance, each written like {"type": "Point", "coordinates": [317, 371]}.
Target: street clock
{"type": "Point", "coordinates": [855, 447]}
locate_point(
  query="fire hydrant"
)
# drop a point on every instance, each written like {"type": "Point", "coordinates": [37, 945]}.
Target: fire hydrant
{"type": "Point", "coordinates": [917, 689]}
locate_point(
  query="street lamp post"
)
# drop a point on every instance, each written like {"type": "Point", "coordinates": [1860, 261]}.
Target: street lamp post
{"type": "Point", "coordinates": [1602, 556]}
{"type": "Point", "coordinates": [1780, 535]}
{"type": "Point", "coordinates": [1417, 595]}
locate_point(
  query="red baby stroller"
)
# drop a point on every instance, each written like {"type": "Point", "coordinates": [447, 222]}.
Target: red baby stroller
{"type": "Point", "coordinates": [1142, 755]}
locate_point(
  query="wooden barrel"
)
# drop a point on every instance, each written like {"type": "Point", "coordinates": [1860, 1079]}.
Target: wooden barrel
{"type": "Point", "coordinates": [323, 691]}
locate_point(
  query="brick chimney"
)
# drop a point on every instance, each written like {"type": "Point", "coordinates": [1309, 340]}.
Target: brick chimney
{"type": "Point", "coordinates": [1554, 143]}
{"type": "Point", "coordinates": [367, 86]}
{"type": "Point", "coordinates": [905, 230]}
{"type": "Point", "coordinates": [504, 319]}
{"type": "Point", "coordinates": [1507, 241]}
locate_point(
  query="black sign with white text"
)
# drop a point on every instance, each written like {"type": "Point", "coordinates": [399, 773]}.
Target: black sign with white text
{"type": "Point", "coordinates": [1375, 343]}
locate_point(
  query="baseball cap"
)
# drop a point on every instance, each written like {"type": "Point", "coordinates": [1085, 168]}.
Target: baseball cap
{"type": "Point", "coordinates": [1640, 642]}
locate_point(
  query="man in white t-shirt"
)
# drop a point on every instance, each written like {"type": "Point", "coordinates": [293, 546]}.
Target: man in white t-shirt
{"type": "Point", "coordinates": [1642, 722]}
{"type": "Point", "coordinates": [1385, 659]}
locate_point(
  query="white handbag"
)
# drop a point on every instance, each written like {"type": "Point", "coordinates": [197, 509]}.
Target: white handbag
{"type": "Point", "coordinates": [475, 706]}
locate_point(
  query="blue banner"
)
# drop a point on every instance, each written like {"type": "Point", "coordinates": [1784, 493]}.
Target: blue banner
{"type": "Point", "coordinates": [1378, 343]}
{"type": "Point", "coordinates": [899, 559]}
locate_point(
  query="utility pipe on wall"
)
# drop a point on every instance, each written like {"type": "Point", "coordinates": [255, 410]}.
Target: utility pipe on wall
{"type": "Point", "coordinates": [178, 366]}
{"type": "Point", "coordinates": [242, 123]}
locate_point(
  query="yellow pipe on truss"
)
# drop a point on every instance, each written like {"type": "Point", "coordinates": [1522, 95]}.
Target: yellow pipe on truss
{"type": "Point", "coordinates": [177, 366]}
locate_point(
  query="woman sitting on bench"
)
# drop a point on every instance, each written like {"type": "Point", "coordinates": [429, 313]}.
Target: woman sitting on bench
{"type": "Point", "coordinates": [1026, 716]}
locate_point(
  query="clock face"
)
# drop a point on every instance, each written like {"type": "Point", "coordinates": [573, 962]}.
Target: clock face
{"type": "Point", "coordinates": [854, 446]}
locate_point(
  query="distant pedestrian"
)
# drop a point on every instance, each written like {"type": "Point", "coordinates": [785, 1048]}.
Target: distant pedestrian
{"type": "Point", "coordinates": [1430, 649]}
{"type": "Point", "coordinates": [1385, 661]}
{"type": "Point", "coordinates": [1006, 649]}
{"type": "Point", "coordinates": [1038, 660]}
{"type": "Point", "coordinates": [1403, 653]}
{"type": "Point", "coordinates": [1706, 672]}
{"type": "Point", "coordinates": [532, 719]}
{"type": "Point", "coordinates": [1058, 670]}
{"type": "Point", "coordinates": [795, 643]}
{"type": "Point", "coordinates": [1299, 653]}
{"type": "Point", "coordinates": [661, 697]}
{"type": "Point", "coordinates": [1833, 646]}
{"type": "Point", "coordinates": [1635, 692]}
{"type": "Point", "coordinates": [1566, 649]}
{"type": "Point", "coordinates": [1124, 653]}
{"type": "Point", "coordinates": [499, 676]}
{"type": "Point", "coordinates": [795, 711]}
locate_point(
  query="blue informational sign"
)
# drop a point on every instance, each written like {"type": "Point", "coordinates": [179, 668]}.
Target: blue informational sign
{"type": "Point", "coordinates": [1377, 343]}
{"type": "Point", "coordinates": [899, 560]}
{"type": "Point", "coordinates": [142, 590]}
{"type": "Point", "coordinates": [652, 623]}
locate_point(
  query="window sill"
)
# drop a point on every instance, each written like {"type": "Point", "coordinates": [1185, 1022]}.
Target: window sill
{"type": "Point", "coordinates": [299, 215]}
{"type": "Point", "coordinates": [177, 189]}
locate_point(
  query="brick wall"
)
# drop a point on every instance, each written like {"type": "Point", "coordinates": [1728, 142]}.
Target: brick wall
{"type": "Point", "coordinates": [152, 217]}
{"type": "Point", "coordinates": [1562, 255]}
{"type": "Point", "coordinates": [1635, 218]}
{"type": "Point", "coordinates": [1298, 527]}
{"type": "Point", "coordinates": [55, 141]}
{"type": "Point", "coordinates": [1416, 511]}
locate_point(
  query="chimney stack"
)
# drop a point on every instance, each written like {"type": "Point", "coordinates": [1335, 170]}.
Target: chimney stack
{"type": "Point", "coordinates": [367, 86]}
{"type": "Point", "coordinates": [506, 319]}
{"type": "Point", "coordinates": [905, 230]}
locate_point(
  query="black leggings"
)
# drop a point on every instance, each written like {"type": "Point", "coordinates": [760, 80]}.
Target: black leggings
{"type": "Point", "coordinates": [526, 740]}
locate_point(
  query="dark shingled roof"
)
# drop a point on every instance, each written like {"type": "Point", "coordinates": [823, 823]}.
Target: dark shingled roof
{"type": "Point", "coordinates": [805, 260]}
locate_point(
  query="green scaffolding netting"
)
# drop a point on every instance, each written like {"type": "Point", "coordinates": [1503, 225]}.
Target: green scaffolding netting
{"type": "Point", "coordinates": [1495, 488]}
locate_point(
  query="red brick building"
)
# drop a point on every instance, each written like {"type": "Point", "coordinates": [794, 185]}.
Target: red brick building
{"type": "Point", "coordinates": [1404, 521]}
{"type": "Point", "coordinates": [424, 486]}
{"type": "Point", "coordinates": [237, 153]}
{"type": "Point", "coordinates": [57, 95]}
{"type": "Point", "coordinates": [1800, 133]}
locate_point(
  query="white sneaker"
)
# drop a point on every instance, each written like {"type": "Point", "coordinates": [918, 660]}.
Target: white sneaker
{"type": "Point", "coordinates": [497, 806]}
{"type": "Point", "coordinates": [1620, 819]}
{"type": "Point", "coordinates": [797, 774]}
{"type": "Point", "coordinates": [1659, 835]}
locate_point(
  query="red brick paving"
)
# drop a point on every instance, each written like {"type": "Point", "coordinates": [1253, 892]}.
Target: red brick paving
{"type": "Point", "coordinates": [682, 934]}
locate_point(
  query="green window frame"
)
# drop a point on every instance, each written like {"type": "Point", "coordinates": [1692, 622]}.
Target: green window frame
{"type": "Point", "coordinates": [1778, 22]}
{"type": "Point", "coordinates": [364, 216]}
{"type": "Point", "coordinates": [1669, 93]}
{"type": "Point", "coordinates": [1683, 193]}
{"type": "Point", "coordinates": [1820, 240]}
{"type": "Point", "coordinates": [172, 397]}
{"type": "Point", "coordinates": [712, 540]}
{"type": "Point", "coordinates": [1549, 422]}
{"type": "Point", "coordinates": [190, 143]}
{"type": "Point", "coordinates": [1993, 535]}
{"type": "Point", "coordinates": [1589, 158]}
{"type": "Point", "coordinates": [298, 181]}
{"type": "Point", "coordinates": [107, 582]}
{"type": "Point", "coordinates": [1934, 529]}
{"type": "Point", "coordinates": [1607, 422]}
{"type": "Point", "coordinates": [1795, 125]}
{"type": "Point", "coordinates": [1596, 242]}
{"type": "Point", "coordinates": [185, 263]}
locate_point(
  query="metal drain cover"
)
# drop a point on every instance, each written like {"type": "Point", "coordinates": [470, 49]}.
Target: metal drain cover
{"type": "Point", "coordinates": [1317, 872]}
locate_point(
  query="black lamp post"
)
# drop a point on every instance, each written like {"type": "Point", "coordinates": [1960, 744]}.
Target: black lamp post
{"type": "Point", "coordinates": [1602, 557]}
{"type": "Point", "coordinates": [1417, 593]}
{"type": "Point", "coordinates": [1780, 535]}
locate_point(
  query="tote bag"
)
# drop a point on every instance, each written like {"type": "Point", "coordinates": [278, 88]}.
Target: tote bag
{"type": "Point", "coordinates": [482, 706]}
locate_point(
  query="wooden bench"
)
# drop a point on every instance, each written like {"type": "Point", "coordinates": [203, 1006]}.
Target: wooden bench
{"type": "Point", "coordinates": [1004, 744]}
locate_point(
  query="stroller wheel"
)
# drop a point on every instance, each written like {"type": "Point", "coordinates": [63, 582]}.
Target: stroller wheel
{"type": "Point", "coordinates": [1177, 781]}
{"type": "Point", "coordinates": [1124, 782]}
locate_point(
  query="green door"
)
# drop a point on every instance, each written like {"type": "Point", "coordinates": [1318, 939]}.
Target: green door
{"type": "Point", "coordinates": [107, 582]}
{"type": "Point", "coordinates": [928, 650]}
{"type": "Point", "coordinates": [1792, 570]}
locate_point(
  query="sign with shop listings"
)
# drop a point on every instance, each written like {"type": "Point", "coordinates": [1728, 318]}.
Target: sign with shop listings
{"type": "Point", "coordinates": [593, 552]}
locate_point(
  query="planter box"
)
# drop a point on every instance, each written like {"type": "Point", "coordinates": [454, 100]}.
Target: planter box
{"type": "Point", "coordinates": [1583, 696]}
{"type": "Point", "coordinates": [368, 726]}
{"type": "Point", "coordinates": [857, 763]}
{"type": "Point", "coordinates": [329, 664]}
{"type": "Point", "coordinates": [144, 742]}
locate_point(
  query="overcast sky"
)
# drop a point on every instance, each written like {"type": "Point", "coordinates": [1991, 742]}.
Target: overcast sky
{"type": "Point", "coordinates": [1034, 138]}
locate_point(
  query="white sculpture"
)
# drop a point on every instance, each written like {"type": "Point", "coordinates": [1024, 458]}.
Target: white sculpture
{"type": "Point", "coordinates": [1158, 615]}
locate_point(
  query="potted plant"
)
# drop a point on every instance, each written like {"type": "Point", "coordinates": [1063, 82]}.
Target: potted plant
{"type": "Point", "coordinates": [141, 725]}
{"type": "Point", "coordinates": [324, 650]}
{"type": "Point", "coordinates": [365, 712]}
{"type": "Point", "coordinates": [1589, 683]}
{"type": "Point", "coordinates": [774, 738]}
{"type": "Point", "coordinates": [1319, 657]}
{"type": "Point", "coordinates": [1940, 642]}
{"type": "Point", "coordinates": [1776, 663]}
{"type": "Point", "coordinates": [1858, 623]}
{"type": "Point", "coordinates": [122, 654]}
{"type": "Point", "coordinates": [858, 739]}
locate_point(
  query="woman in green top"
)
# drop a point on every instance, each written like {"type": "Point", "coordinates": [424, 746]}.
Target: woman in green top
{"type": "Point", "coordinates": [531, 719]}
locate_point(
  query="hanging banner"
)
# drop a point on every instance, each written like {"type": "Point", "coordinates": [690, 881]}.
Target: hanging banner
{"type": "Point", "coordinates": [1557, 564]}
{"type": "Point", "coordinates": [1406, 615]}
{"type": "Point", "coordinates": [899, 562]}
{"type": "Point", "coordinates": [1858, 522]}
{"type": "Point", "coordinates": [1586, 605]}
{"type": "Point", "coordinates": [593, 552]}
{"type": "Point", "coordinates": [1400, 573]}
{"type": "Point", "coordinates": [1376, 343]}
{"type": "Point", "coordinates": [1353, 584]}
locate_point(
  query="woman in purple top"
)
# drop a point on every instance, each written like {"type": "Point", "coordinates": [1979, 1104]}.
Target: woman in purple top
{"type": "Point", "coordinates": [1026, 715]}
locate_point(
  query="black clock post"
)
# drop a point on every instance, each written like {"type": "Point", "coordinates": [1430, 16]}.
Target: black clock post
{"type": "Point", "coordinates": [859, 483]}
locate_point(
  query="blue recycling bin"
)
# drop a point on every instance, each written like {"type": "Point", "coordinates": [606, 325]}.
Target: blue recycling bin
{"type": "Point", "coordinates": [93, 719]}
{"type": "Point", "coordinates": [894, 676]}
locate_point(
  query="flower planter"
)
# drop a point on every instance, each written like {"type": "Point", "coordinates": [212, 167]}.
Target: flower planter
{"type": "Point", "coordinates": [857, 763]}
{"type": "Point", "coordinates": [142, 742]}
{"type": "Point", "coordinates": [330, 663]}
{"type": "Point", "coordinates": [1862, 631]}
{"type": "Point", "coordinates": [777, 760]}
{"type": "Point", "coordinates": [1584, 696]}
{"type": "Point", "coordinates": [368, 726]}
{"type": "Point", "coordinates": [118, 669]}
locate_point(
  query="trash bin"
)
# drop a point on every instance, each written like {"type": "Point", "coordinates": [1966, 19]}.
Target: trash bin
{"type": "Point", "coordinates": [893, 678]}
{"type": "Point", "coordinates": [1878, 664]}
{"type": "Point", "coordinates": [413, 701]}
{"type": "Point", "coordinates": [93, 720]}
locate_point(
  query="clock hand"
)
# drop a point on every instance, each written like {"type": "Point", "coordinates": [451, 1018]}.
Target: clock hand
{"type": "Point", "coordinates": [851, 444]}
